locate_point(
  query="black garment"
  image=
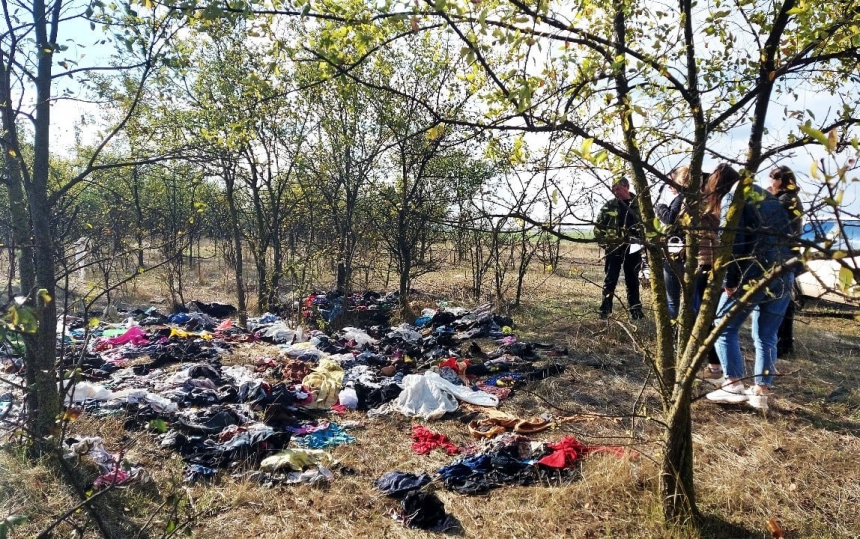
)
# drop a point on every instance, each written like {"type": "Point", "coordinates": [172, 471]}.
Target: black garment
{"type": "Point", "coordinates": [423, 510]}
{"type": "Point", "coordinates": [785, 333]}
{"type": "Point", "coordinates": [398, 484]}
{"type": "Point", "coordinates": [631, 263]}
{"type": "Point", "coordinates": [794, 207]}
{"type": "Point", "coordinates": [668, 215]}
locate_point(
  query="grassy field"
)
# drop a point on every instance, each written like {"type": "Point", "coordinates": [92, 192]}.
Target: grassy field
{"type": "Point", "coordinates": [799, 464]}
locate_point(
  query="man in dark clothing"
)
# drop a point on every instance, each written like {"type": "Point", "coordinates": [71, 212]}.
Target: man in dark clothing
{"type": "Point", "coordinates": [617, 232]}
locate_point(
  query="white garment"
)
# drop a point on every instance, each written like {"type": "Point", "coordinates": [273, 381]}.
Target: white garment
{"type": "Point", "coordinates": [430, 396]}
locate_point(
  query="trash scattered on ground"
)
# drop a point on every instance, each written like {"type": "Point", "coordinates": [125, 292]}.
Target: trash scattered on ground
{"type": "Point", "coordinates": [276, 416]}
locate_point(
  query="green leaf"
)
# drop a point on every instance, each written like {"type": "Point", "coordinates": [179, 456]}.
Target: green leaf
{"type": "Point", "coordinates": [157, 425]}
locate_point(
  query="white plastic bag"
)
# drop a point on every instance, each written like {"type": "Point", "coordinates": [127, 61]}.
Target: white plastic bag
{"type": "Point", "coordinates": [348, 397]}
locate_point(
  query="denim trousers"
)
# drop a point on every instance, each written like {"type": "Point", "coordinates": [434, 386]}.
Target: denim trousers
{"type": "Point", "coordinates": [673, 271]}
{"type": "Point", "coordinates": [768, 309]}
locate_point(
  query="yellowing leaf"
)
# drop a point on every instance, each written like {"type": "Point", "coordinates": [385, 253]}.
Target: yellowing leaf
{"type": "Point", "coordinates": [846, 278]}
{"type": "Point", "coordinates": [435, 132]}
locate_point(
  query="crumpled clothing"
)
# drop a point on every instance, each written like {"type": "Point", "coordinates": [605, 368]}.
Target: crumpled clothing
{"type": "Point", "coordinates": [430, 396]}
{"type": "Point", "coordinates": [305, 351]}
{"type": "Point", "coordinates": [330, 436]}
{"type": "Point", "coordinates": [85, 391]}
{"type": "Point", "coordinates": [116, 478]}
{"type": "Point", "coordinates": [325, 381]}
{"type": "Point", "coordinates": [427, 440]}
{"type": "Point", "coordinates": [295, 370]}
{"type": "Point", "coordinates": [481, 473]}
{"type": "Point", "coordinates": [405, 332]}
{"type": "Point", "coordinates": [504, 380]}
{"type": "Point", "coordinates": [195, 472]}
{"type": "Point", "coordinates": [135, 335]}
{"type": "Point", "coordinates": [451, 375]}
{"type": "Point", "coordinates": [182, 334]}
{"type": "Point", "coordinates": [423, 510]}
{"type": "Point", "coordinates": [501, 392]}
{"type": "Point", "coordinates": [296, 459]}
{"type": "Point", "coordinates": [358, 335]}
{"type": "Point", "coordinates": [568, 451]}
{"type": "Point", "coordinates": [397, 484]}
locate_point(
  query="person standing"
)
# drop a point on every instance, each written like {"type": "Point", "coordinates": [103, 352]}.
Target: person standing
{"type": "Point", "coordinates": [783, 185]}
{"type": "Point", "coordinates": [617, 232]}
{"type": "Point", "coordinates": [673, 265]}
{"type": "Point", "coordinates": [759, 246]}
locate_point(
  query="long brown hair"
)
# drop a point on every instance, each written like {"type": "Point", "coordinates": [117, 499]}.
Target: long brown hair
{"type": "Point", "coordinates": [718, 185]}
{"type": "Point", "coordinates": [787, 180]}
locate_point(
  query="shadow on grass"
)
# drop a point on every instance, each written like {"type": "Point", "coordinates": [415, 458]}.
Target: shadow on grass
{"type": "Point", "coordinates": [836, 424]}
{"type": "Point", "coordinates": [713, 527]}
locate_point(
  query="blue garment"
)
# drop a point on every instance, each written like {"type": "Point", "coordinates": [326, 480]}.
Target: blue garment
{"type": "Point", "coordinates": [762, 239]}
{"type": "Point", "coordinates": [762, 242]}
{"type": "Point", "coordinates": [320, 439]}
{"type": "Point", "coordinates": [768, 309]}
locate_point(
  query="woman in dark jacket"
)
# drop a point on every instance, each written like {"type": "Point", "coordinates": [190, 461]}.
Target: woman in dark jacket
{"type": "Point", "coordinates": [673, 267]}
{"type": "Point", "coordinates": [783, 185]}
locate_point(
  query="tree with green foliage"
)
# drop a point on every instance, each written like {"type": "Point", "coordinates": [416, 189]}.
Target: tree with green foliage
{"type": "Point", "coordinates": [30, 51]}
{"type": "Point", "coordinates": [636, 89]}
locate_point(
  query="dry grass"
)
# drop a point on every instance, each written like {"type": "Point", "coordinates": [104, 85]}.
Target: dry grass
{"type": "Point", "coordinates": [800, 464]}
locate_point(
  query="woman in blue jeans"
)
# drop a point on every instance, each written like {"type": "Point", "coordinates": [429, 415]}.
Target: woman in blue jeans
{"type": "Point", "coordinates": [760, 245]}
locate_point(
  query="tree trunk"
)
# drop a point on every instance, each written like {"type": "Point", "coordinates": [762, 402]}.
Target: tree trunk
{"type": "Point", "coordinates": [236, 235]}
{"type": "Point", "coordinates": [676, 470]}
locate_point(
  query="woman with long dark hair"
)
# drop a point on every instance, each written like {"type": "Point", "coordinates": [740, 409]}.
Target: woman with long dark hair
{"type": "Point", "coordinates": [759, 246]}
{"type": "Point", "coordinates": [783, 185]}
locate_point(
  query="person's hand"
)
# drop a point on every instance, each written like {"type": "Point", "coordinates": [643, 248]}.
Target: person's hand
{"type": "Point", "coordinates": [730, 291]}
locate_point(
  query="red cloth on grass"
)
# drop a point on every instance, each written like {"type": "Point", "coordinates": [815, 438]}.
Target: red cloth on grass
{"type": "Point", "coordinates": [427, 440]}
{"type": "Point", "coordinates": [568, 450]}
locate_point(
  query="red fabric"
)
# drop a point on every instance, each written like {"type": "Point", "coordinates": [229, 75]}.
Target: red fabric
{"type": "Point", "coordinates": [568, 450]}
{"type": "Point", "coordinates": [451, 362]}
{"type": "Point", "coordinates": [338, 409]}
{"type": "Point", "coordinates": [427, 440]}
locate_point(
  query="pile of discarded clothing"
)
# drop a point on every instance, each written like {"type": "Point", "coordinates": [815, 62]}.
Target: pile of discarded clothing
{"type": "Point", "coordinates": [506, 459]}
{"type": "Point", "coordinates": [271, 417]}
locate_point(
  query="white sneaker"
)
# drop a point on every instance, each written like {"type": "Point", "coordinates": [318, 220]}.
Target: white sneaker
{"type": "Point", "coordinates": [756, 399]}
{"type": "Point", "coordinates": [733, 393]}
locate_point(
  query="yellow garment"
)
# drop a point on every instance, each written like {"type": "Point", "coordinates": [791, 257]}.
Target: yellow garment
{"type": "Point", "coordinates": [176, 332]}
{"type": "Point", "coordinates": [296, 459]}
{"type": "Point", "coordinates": [325, 381]}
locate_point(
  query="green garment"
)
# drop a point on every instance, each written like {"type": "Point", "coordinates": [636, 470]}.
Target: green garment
{"type": "Point", "coordinates": [609, 230]}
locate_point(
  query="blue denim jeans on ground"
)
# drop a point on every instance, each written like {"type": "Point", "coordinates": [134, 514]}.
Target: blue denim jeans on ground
{"type": "Point", "coordinates": [768, 309]}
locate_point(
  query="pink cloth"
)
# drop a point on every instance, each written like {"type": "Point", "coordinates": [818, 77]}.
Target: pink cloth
{"type": "Point", "coordinates": [135, 335]}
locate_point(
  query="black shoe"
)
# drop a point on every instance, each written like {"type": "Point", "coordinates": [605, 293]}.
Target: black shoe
{"type": "Point", "coordinates": [636, 314]}
{"type": "Point", "coordinates": [603, 315]}
{"type": "Point", "coordinates": [784, 351]}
